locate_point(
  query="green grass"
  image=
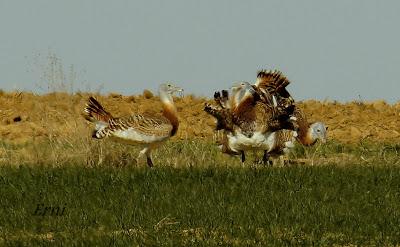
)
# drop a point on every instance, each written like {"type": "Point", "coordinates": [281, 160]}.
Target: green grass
{"type": "Point", "coordinates": [208, 205]}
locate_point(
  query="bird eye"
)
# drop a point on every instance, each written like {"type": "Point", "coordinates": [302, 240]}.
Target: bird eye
{"type": "Point", "coordinates": [318, 130]}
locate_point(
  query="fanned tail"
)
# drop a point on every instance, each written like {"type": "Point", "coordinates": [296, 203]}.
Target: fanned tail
{"type": "Point", "coordinates": [95, 112]}
{"type": "Point", "coordinates": [275, 82]}
{"type": "Point", "coordinates": [272, 80]}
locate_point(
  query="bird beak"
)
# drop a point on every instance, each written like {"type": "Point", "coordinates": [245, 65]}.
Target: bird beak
{"type": "Point", "coordinates": [180, 91]}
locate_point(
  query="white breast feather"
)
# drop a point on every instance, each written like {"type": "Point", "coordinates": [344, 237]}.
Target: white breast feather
{"type": "Point", "coordinates": [257, 141]}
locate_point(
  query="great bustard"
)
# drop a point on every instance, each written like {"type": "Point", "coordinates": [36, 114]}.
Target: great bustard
{"type": "Point", "coordinates": [281, 141]}
{"type": "Point", "coordinates": [309, 133]}
{"type": "Point", "coordinates": [250, 122]}
{"type": "Point", "coordinates": [147, 129]}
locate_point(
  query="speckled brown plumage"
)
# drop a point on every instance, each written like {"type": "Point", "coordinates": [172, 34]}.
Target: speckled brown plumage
{"type": "Point", "coordinates": [223, 116]}
{"type": "Point", "coordinates": [157, 125]}
{"type": "Point", "coordinates": [303, 127]}
{"type": "Point", "coordinates": [282, 137]}
{"type": "Point", "coordinates": [149, 130]}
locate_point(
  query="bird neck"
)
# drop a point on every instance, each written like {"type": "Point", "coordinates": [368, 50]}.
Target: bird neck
{"type": "Point", "coordinates": [305, 136]}
{"type": "Point", "coordinates": [304, 128]}
{"type": "Point", "coordinates": [170, 112]}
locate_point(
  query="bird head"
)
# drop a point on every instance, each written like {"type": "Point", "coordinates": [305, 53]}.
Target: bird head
{"type": "Point", "coordinates": [241, 91]}
{"type": "Point", "coordinates": [169, 88]}
{"type": "Point", "coordinates": [319, 132]}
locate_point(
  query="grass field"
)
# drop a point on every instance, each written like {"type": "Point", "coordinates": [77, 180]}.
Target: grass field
{"type": "Point", "coordinates": [339, 195]}
{"type": "Point", "coordinates": [59, 186]}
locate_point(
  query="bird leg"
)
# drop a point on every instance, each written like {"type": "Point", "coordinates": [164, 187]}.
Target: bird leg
{"type": "Point", "coordinates": [145, 152]}
{"type": "Point", "coordinates": [242, 156]}
{"type": "Point", "coordinates": [265, 158]}
{"type": "Point", "coordinates": [148, 158]}
{"type": "Point", "coordinates": [149, 161]}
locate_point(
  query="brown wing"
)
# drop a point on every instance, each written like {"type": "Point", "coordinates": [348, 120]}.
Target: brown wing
{"type": "Point", "coordinates": [274, 81]}
{"type": "Point", "coordinates": [301, 119]}
{"type": "Point", "coordinates": [244, 98]}
{"type": "Point", "coordinates": [257, 111]}
{"type": "Point", "coordinates": [258, 118]}
{"type": "Point", "coordinates": [222, 99]}
{"type": "Point", "coordinates": [222, 115]}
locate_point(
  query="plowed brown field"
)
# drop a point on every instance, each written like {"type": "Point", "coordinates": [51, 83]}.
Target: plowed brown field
{"type": "Point", "coordinates": [26, 117]}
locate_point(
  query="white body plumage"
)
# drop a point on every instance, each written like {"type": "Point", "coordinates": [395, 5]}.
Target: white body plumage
{"type": "Point", "coordinates": [262, 141]}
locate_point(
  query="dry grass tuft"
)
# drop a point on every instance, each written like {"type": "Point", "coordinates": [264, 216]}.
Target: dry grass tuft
{"type": "Point", "coordinates": [50, 128]}
{"type": "Point", "coordinates": [25, 117]}
{"type": "Point", "coordinates": [147, 94]}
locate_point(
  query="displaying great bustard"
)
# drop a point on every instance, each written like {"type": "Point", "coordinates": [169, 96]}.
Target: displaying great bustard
{"type": "Point", "coordinates": [287, 125]}
{"type": "Point", "coordinates": [246, 111]}
{"type": "Point", "coordinates": [146, 129]}
{"type": "Point", "coordinates": [251, 120]}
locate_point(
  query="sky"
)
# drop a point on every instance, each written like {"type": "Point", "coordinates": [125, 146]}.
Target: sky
{"type": "Point", "coordinates": [330, 50]}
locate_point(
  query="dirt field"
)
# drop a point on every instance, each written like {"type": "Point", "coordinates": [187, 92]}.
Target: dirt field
{"type": "Point", "coordinates": [26, 117]}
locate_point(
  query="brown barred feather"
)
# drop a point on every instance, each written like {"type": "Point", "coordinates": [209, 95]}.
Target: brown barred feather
{"type": "Point", "coordinates": [143, 124]}
{"type": "Point", "coordinates": [273, 81]}
{"type": "Point", "coordinates": [223, 116]}
{"type": "Point", "coordinates": [303, 127]}
{"type": "Point", "coordinates": [94, 111]}
{"type": "Point", "coordinates": [225, 99]}
{"type": "Point", "coordinates": [282, 136]}
{"type": "Point", "coordinates": [217, 99]}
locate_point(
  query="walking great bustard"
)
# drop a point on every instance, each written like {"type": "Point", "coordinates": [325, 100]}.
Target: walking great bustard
{"type": "Point", "coordinates": [149, 130]}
